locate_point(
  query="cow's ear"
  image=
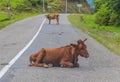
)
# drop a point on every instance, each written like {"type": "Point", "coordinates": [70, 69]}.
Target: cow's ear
{"type": "Point", "coordinates": [74, 45]}
{"type": "Point", "coordinates": [79, 41]}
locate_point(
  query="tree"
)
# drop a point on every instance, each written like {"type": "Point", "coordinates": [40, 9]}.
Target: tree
{"type": "Point", "coordinates": [107, 12]}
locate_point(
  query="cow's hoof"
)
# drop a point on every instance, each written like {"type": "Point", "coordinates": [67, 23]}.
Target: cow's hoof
{"type": "Point", "coordinates": [76, 65]}
{"type": "Point", "coordinates": [50, 65]}
{"type": "Point", "coordinates": [45, 66]}
{"type": "Point", "coordinates": [30, 64]}
{"type": "Point", "coordinates": [62, 65]}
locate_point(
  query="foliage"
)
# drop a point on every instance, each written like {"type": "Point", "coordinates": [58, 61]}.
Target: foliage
{"type": "Point", "coordinates": [21, 7]}
{"type": "Point", "coordinates": [98, 3]}
{"type": "Point", "coordinates": [108, 12]}
{"type": "Point", "coordinates": [35, 2]}
{"type": "Point", "coordinates": [107, 35]}
{"type": "Point", "coordinates": [103, 15]}
{"type": "Point", "coordinates": [3, 16]}
{"type": "Point", "coordinates": [4, 21]}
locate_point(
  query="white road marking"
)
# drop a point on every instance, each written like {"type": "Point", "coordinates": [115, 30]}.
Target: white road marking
{"type": "Point", "coordinates": [6, 68]}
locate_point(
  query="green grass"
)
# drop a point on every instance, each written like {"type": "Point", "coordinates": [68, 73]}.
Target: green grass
{"type": "Point", "coordinates": [19, 10]}
{"type": "Point", "coordinates": [15, 14]}
{"type": "Point", "coordinates": [109, 36]}
{"type": "Point", "coordinates": [3, 16]}
{"type": "Point", "coordinates": [4, 21]}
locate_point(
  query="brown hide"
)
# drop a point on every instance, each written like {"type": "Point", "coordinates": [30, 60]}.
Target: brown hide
{"type": "Point", "coordinates": [57, 55]}
{"type": "Point", "coordinates": [53, 16]}
{"type": "Point", "coordinates": [51, 55]}
{"type": "Point", "coordinates": [66, 55]}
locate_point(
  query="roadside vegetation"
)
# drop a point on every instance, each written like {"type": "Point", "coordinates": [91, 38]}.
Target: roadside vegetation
{"type": "Point", "coordinates": [16, 12]}
{"type": "Point", "coordinates": [4, 21]}
{"type": "Point", "coordinates": [103, 25]}
{"type": "Point", "coordinates": [107, 12]}
{"type": "Point", "coordinates": [20, 9]}
{"type": "Point", "coordinates": [107, 35]}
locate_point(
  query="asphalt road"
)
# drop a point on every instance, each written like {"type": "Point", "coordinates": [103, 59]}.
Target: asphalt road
{"type": "Point", "coordinates": [101, 66]}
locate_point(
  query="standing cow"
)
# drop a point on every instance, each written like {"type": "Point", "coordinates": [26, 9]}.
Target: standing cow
{"type": "Point", "coordinates": [66, 56]}
{"type": "Point", "coordinates": [53, 16]}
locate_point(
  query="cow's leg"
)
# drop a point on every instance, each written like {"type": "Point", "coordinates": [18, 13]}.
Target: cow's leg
{"type": "Point", "coordinates": [57, 19]}
{"type": "Point", "coordinates": [39, 58]}
{"type": "Point", "coordinates": [76, 64]}
{"type": "Point", "coordinates": [67, 64]}
{"type": "Point", "coordinates": [49, 21]}
{"type": "Point", "coordinates": [32, 59]}
{"type": "Point", "coordinates": [38, 62]}
{"type": "Point", "coordinates": [40, 65]}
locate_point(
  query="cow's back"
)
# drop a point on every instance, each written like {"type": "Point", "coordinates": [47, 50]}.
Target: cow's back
{"type": "Point", "coordinates": [52, 16]}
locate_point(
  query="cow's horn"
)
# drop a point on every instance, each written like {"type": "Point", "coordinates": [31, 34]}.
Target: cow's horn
{"type": "Point", "coordinates": [85, 39]}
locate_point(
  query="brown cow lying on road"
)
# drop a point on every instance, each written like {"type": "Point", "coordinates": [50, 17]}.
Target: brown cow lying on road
{"type": "Point", "coordinates": [53, 16]}
{"type": "Point", "coordinates": [66, 56]}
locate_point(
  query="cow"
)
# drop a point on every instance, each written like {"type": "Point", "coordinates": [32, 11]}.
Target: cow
{"type": "Point", "coordinates": [52, 16]}
{"type": "Point", "coordinates": [65, 56]}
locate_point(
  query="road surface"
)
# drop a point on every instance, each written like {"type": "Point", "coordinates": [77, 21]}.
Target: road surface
{"type": "Point", "coordinates": [101, 66]}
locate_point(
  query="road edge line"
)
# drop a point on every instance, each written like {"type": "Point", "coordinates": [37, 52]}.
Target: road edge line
{"type": "Point", "coordinates": [6, 68]}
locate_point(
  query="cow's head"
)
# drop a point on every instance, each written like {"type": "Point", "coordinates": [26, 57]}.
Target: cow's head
{"type": "Point", "coordinates": [81, 48]}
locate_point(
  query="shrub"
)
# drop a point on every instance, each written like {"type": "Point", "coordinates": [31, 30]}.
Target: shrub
{"type": "Point", "coordinates": [102, 17]}
{"type": "Point", "coordinates": [108, 12]}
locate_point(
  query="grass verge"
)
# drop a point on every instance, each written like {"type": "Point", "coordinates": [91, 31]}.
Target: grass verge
{"type": "Point", "coordinates": [109, 36]}
{"type": "Point", "coordinates": [4, 21]}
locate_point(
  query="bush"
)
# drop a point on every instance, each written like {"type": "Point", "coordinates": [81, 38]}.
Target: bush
{"type": "Point", "coordinates": [102, 17]}
{"type": "Point", "coordinates": [23, 7]}
{"type": "Point", "coordinates": [113, 18]}
{"type": "Point", "coordinates": [108, 12]}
